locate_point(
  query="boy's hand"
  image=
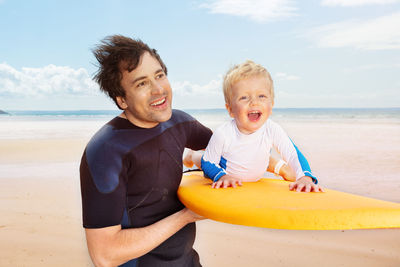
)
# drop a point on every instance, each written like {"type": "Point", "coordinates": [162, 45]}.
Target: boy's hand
{"type": "Point", "coordinates": [226, 181]}
{"type": "Point", "coordinates": [305, 184]}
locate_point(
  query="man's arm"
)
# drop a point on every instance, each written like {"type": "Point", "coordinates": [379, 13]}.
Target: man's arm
{"type": "Point", "coordinates": [112, 246]}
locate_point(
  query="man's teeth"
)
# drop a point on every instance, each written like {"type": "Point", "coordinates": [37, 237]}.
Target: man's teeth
{"type": "Point", "coordinates": [158, 102]}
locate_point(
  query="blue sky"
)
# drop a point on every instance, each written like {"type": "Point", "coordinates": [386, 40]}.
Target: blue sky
{"type": "Point", "coordinates": [320, 53]}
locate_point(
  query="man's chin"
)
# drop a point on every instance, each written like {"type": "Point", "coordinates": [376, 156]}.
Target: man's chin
{"type": "Point", "coordinates": [164, 115]}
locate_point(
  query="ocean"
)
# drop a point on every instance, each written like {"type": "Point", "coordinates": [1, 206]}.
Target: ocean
{"type": "Point", "coordinates": [18, 124]}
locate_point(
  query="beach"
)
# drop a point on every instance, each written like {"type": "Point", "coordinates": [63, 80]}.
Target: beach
{"type": "Point", "coordinates": [41, 223]}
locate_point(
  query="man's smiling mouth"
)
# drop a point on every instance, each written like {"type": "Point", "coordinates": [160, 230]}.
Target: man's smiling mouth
{"type": "Point", "coordinates": [159, 102]}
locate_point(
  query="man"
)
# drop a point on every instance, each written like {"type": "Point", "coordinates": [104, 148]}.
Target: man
{"type": "Point", "coordinates": [132, 167]}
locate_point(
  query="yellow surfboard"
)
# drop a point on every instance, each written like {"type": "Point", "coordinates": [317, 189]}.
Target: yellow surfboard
{"type": "Point", "coordinates": [269, 203]}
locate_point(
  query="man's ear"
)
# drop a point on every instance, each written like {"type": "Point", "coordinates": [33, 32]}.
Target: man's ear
{"type": "Point", "coordinates": [229, 109]}
{"type": "Point", "coordinates": [121, 102]}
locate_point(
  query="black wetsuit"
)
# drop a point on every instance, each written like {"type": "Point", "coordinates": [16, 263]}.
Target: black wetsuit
{"type": "Point", "coordinates": [130, 176]}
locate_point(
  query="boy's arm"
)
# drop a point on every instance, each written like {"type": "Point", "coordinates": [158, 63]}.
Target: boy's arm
{"type": "Point", "coordinates": [304, 164]}
{"type": "Point", "coordinates": [212, 162]}
{"type": "Point", "coordinates": [280, 167]}
{"type": "Point", "coordinates": [305, 180]}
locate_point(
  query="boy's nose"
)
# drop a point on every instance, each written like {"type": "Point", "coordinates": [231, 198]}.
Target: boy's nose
{"type": "Point", "coordinates": [254, 101]}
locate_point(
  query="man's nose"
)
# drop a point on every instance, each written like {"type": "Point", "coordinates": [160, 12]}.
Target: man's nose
{"type": "Point", "coordinates": [156, 88]}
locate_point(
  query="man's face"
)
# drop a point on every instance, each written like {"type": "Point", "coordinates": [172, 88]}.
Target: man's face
{"type": "Point", "coordinates": [148, 97]}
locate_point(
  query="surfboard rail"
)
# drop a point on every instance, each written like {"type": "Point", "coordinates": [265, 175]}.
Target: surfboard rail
{"type": "Point", "coordinates": [269, 203]}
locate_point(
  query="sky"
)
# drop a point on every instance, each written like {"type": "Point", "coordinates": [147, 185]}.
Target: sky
{"type": "Point", "coordinates": [320, 53]}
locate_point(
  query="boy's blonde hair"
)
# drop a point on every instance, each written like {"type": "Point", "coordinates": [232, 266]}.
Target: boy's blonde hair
{"type": "Point", "coordinates": [242, 71]}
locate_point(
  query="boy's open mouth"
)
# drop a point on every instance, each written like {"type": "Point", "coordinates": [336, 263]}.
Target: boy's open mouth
{"type": "Point", "coordinates": [254, 115]}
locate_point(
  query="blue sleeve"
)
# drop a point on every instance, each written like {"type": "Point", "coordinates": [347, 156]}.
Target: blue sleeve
{"type": "Point", "coordinates": [213, 171]}
{"type": "Point", "coordinates": [304, 164]}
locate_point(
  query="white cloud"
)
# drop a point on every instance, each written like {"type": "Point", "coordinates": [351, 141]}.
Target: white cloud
{"type": "Point", "coordinates": [375, 34]}
{"type": "Point", "coordinates": [214, 87]}
{"type": "Point", "coordinates": [368, 67]}
{"type": "Point", "coordinates": [257, 10]}
{"type": "Point", "coordinates": [50, 80]}
{"type": "Point", "coordinates": [188, 95]}
{"type": "Point", "coordinates": [381, 98]}
{"type": "Point", "coordinates": [346, 3]}
{"type": "Point", "coordinates": [285, 76]}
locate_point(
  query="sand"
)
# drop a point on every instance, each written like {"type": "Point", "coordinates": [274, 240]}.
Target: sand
{"type": "Point", "coordinates": [40, 222]}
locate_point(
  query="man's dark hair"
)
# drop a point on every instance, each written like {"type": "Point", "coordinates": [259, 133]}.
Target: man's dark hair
{"type": "Point", "coordinates": [117, 53]}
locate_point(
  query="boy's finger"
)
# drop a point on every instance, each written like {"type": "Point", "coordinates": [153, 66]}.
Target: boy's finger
{"type": "Point", "coordinates": [300, 187]}
{"type": "Point", "coordinates": [292, 186]}
{"type": "Point", "coordinates": [233, 184]}
{"type": "Point", "coordinates": [216, 184]}
{"type": "Point", "coordinates": [320, 189]}
{"type": "Point", "coordinates": [315, 188]}
{"type": "Point", "coordinates": [308, 188]}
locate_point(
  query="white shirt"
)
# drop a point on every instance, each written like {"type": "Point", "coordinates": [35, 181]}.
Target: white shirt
{"type": "Point", "coordinates": [247, 156]}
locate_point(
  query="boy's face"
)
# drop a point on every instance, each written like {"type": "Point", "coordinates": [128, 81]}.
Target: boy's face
{"type": "Point", "coordinates": [148, 94]}
{"type": "Point", "coordinates": [251, 103]}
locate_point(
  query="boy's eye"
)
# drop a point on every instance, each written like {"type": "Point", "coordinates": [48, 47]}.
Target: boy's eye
{"type": "Point", "coordinates": [263, 96]}
{"type": "Point", "coordinates": [243, 98]}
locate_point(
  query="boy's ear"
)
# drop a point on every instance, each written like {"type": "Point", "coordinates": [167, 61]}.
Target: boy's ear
{"type": "Point", "coordinates": [229, 109]}
{"type": "Point", "coordinates": [121, 102]}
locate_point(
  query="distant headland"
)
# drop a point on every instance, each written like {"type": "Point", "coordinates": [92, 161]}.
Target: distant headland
{"type": "Point", "coordinates": [2, 112]}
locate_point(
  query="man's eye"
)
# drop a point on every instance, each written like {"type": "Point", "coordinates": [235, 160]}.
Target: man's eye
{"type": "Point", "coordinates": [161, 75]}
{"type": "Point", "coordinates": [141, 84]}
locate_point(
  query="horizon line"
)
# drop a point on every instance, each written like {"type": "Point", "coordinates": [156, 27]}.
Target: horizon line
{"type": "Point", "coordinates": [49, 110]}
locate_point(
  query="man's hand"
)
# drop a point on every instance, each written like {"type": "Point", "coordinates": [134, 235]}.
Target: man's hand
{"type": "Point", "coordinates": [191, 216]}
{"type": "Point", "coordinates": [226, 181]}
{"type": "Point", "coordinates": [305, 184]}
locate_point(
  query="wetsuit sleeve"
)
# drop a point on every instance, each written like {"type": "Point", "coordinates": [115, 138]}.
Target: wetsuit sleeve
{"type": "Point", "coordinates": [198, 137]}
{"type": "Point", "coordinates": [102, 188]}
{"type": "Point", "coordinates": [212, 162]}
{"type": "Point", "coordinates": [290, 153]}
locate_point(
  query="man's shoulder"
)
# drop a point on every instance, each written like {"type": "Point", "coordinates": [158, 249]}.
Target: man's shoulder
{"type": "Point", "coordinates": [181, 116]}
{"type": "Point", "coordinates": [116, 136]}
{"type": "Point", "coordinates": [103, 134]}
{"type": "Point", "coordinates": [178, 118]}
